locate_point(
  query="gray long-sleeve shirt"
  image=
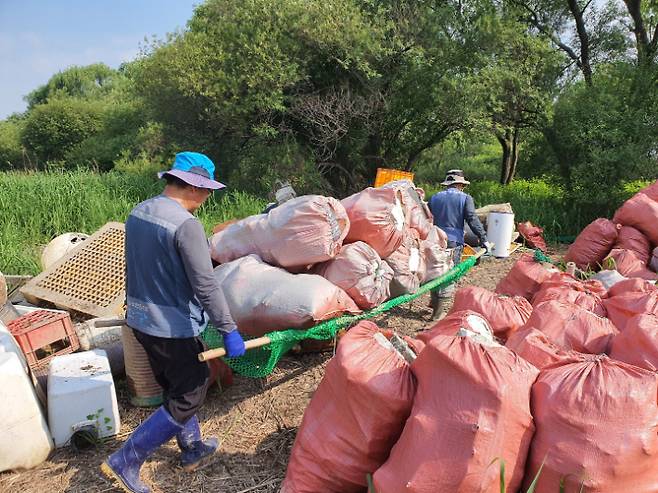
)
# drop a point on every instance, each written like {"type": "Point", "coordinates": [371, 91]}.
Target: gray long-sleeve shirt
{"type": "Point", "coordinates": [192, 245]}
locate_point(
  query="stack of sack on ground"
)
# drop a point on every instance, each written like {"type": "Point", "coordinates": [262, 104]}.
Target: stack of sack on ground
{"type": "Point", "coordinates": [594, 402]}
{"type": "Point", "coordinates": [472, 405]}
{"type": "Point", "coordinates": [570, 399]}
{"type": "Point", "coordinates": [313, 258]}
{"type": "Point", "coordinates": [628, 242]}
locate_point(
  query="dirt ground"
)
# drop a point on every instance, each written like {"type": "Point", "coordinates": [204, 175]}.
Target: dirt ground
{"type": "Point", "coordinates": [256, 421]}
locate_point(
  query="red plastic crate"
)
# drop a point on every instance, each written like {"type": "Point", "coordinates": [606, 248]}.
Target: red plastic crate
{"type": "Point", "coordinates": [43, 335]}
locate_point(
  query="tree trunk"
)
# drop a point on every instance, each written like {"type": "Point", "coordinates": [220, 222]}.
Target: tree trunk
{"type": "Point", "coordinates": [583, 37]}
{"type": "Point", "coordinates": [506, 144]}
{"type": "Point", "coordinates": [509, 141]}
{"type": "Point", "coordinates": [514, 157]}
{"type": "Point", "coordinates": [371, 154]}
{"type": "Point", "coordinates": [646, 45]}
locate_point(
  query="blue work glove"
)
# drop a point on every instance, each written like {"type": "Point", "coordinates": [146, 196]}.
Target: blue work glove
{"type": "Point", "coordinates": [234, 344]}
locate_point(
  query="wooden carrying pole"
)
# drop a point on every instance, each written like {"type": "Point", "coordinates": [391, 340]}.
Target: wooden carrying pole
{"type": "Point", "coordinates": [219, 352]}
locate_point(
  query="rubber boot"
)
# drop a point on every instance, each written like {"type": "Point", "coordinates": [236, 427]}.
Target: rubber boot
{"type": "Point", "coordinates": [124, 464]}
{"type": "Point", "coordinates": [193, 449]}
{"type": "Point", "coordinates": [439, 306]}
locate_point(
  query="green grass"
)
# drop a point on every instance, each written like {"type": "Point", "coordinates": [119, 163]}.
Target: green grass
{"type": "Point", "coordinates": [36, 207]}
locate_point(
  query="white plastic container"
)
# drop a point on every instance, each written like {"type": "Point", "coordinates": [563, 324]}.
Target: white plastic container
{"type": "Point", "coordinates": [9, 345]}
{"type": "Point", "coordinates": [81, 397]}
{"type": "Point", "coordinates": [60, 246]}
{"type": "Point", "coordinates": [24, 437]}
{"type": "Point", "coordinates": [500, 226]}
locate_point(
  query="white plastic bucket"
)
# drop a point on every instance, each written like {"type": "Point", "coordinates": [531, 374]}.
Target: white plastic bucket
{"type": "Point", "coordinates": [500, 226]}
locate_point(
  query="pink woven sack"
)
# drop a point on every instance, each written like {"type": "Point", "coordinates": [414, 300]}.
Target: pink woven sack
{"type": "Point", "coordinates": [593, 244]}
{"type": "Point", "coordinates": [359, 271]}
{"type": "Point", "coordinates": [378, 217]}
{"type": "Point", "coordinates": [471, 408]}
{"type": "Point", "coordinates": [632, 239]}
{"type": "Point", "coordinates": [563, 287]}
{"type": "Point", "coordinates": [437, 255]}
{"type": "Point", "coordinates": [408, 265]}
{"type": "Point", "coordinates": [538, 350]}
{"type": "Point", "coordinates": [628, 264]}
{"type": "Point", "coordinates": [298, 233]}
{"type": "Point", "coordinates": [596, 427]}
{"type": "Point", "coordinates": [641, 212]}
{"type": "Point", "coordinates": [506, 314]}
{"type": "Point", "coordinates": [262, 298]}
{"type": "Point", "coordinates": [572, 327]}
{"type": "Point", "coordinates": [525, 277]}
{"type": "Point", "coordinates": [420, 217]}
{"type": "Point", "coordinates": [638, 343]}
{"type": "Point", "coordinates": [355, 417]}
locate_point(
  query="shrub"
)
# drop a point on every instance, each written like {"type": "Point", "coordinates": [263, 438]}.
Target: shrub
{"type": "Point", "coordinates": [11, 149]}
{"type": "Point", "coordinates": [52, 129]}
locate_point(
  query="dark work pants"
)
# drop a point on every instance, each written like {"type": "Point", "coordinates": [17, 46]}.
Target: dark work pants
{"type": "Point", "coordinates": [179, 372]}
{"type": "Point", "coordinates": [449, 290]}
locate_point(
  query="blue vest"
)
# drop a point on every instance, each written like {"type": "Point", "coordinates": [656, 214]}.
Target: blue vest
{"type": "Point", "coordinates": [448, 210]}
{"type": "Point", "coordinates": [160, 300]}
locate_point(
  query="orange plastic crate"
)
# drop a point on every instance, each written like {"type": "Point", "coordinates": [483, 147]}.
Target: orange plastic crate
{"type": "Point", "coordinates": [43, 335]}
{"type": "Point", "coordinates": [385, 175]}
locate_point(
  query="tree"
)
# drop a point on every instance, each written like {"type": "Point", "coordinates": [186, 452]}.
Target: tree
{"type": "Point", "coordinates": [602, 135]}
{"type": "Point", "coordinates": [12, 151]}
{"type": "Point", "coordinates": [645, 28]}
{"type": "Point", "coordinates": [52, 129]}
{"type": "Point", "coordinates": [87, 82]}
{"type": "Point", "coordinates": [516, 89]}
{"type": "Point", "coordinates": [587, 32]}
{"type": "Point", "coordinates": [356, 85]}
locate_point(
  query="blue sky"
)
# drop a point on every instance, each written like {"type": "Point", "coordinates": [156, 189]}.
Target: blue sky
{"type": "Point", "coordinates": [41, 38]}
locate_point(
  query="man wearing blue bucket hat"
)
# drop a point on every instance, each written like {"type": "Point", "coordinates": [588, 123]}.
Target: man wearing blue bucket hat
{"type": "Point", "coordinates": [171, 296]}
{"type": "Point", "coordinates": [451, 208]}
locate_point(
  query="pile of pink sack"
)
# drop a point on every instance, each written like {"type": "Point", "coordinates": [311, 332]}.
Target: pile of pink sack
{"type": "Point", "coordinates": [594, 401]}
{"type": "Point", "coordinates": [628, 243]}
{"type": "Point", "coordinates": [549, 380]}
{"type": "Point", "coordinates": [313, 257]}
{"type": "Point", "coordinates": [435, 422]}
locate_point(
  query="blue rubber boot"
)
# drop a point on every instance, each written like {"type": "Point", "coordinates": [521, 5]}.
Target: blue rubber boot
{"type": "Point", "coordinates": [193, 449]}
{"type": "Point", "coordinates": [124, 464]}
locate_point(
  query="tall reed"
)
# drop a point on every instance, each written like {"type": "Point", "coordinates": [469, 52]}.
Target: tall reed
{"type": "Point", "coordinates": [36, 207]}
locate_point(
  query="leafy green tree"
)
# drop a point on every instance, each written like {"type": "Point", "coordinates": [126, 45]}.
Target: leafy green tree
{"type": "Point", "coordinates": [516, 89]}
{"type": "Point", "coordinates": [12, 152]}
{"type": "Point", "coordinates": [357, 85]}
{"type": "Point", "coordinates": [87, 82]}
{"type": "Point", "coordinates": [644, 25]}
{"type": "Point", "coordinates": [52, 129]}
{"type": "Point", "coordinates": [227, 82]}
{"type": "Point", "coordinates": [118, 131]}
{"type": "Point", "coordinates": [85, 116]}
{"type": "Point", "coordinates": [587, 32]}
{"type": "Point", "coordinates": [603, 135]}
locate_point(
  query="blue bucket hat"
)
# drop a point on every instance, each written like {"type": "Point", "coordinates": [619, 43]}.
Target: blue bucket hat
{"type": "Point", "coordinates": [195, 169]}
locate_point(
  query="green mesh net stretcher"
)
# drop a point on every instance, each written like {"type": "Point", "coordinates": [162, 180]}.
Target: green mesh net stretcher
{"type": "Point", "coordinates": [259, 362]}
